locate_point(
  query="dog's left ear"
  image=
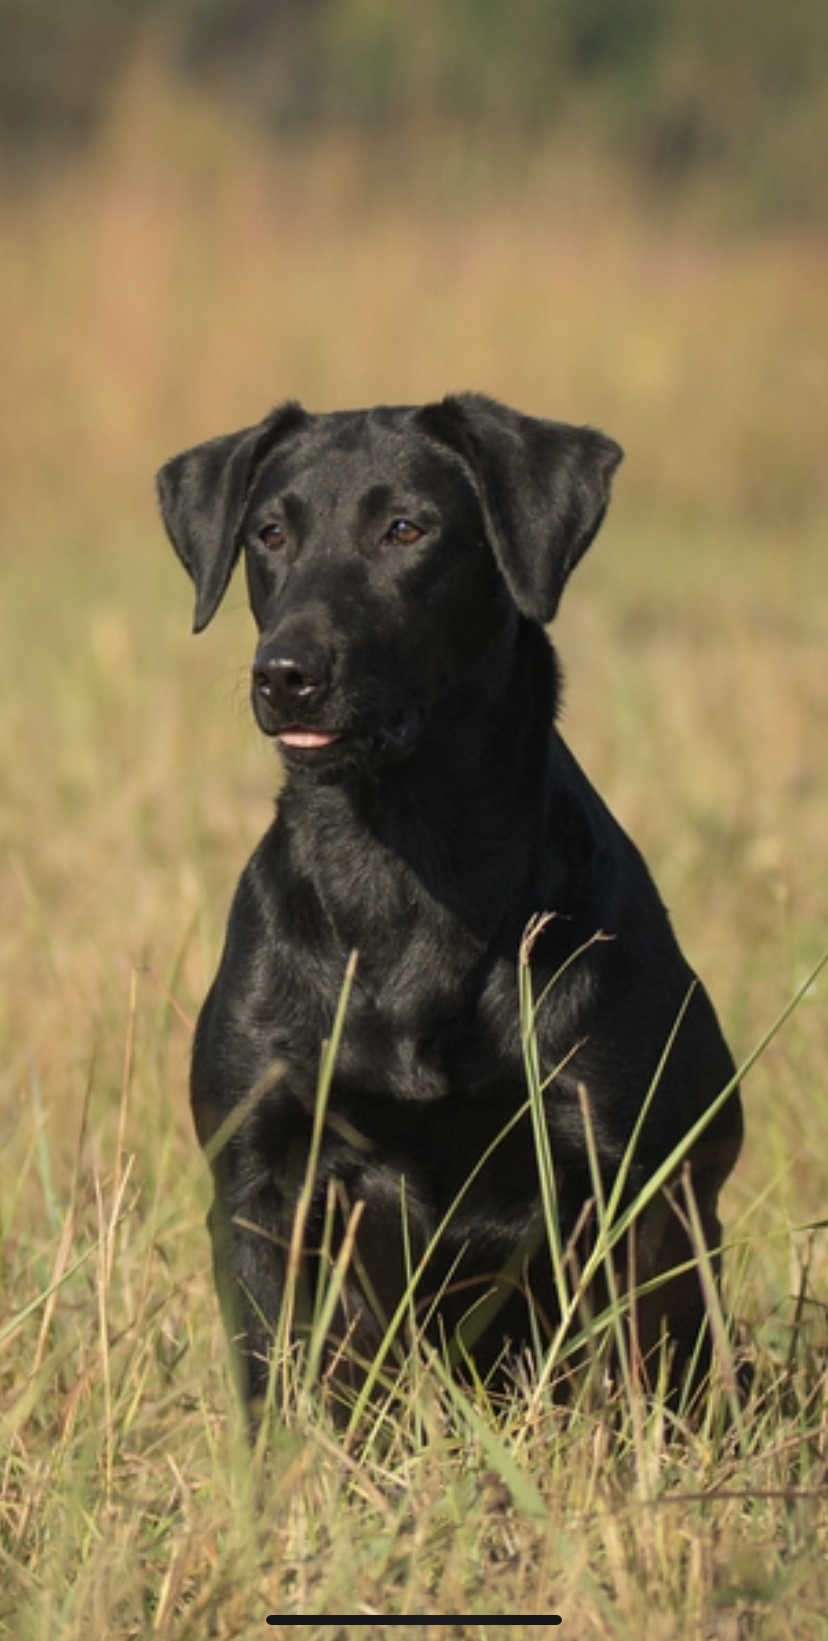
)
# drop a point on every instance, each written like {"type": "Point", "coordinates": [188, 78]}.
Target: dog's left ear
{"type": "Point", "coordinates": [544, 487]}
{"type": "Point", "coordinates": [202, 494]}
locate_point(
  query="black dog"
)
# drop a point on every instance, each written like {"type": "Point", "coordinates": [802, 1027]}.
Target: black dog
{"type": "Point", "coordinates": [401, 563]}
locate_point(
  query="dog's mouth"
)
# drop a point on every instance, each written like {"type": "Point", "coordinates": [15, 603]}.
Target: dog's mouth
{"type": "Point", "coordinates": [308, 740]}
{"type": "Point", "coordinates": [387, 742]}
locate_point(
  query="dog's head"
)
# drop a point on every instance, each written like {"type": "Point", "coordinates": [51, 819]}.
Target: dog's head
{"type": "Point", "coordinates": [388, 553]}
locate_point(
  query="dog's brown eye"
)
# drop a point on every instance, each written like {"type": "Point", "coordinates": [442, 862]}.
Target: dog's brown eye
{"type": "Point", "coordinates": [403, 532]}
{"type": "Point", "coordinates": [272, 537]}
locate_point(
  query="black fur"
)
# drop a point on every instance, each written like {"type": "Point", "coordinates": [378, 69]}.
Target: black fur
{"type": "Point", "coordinates": [401, 563]}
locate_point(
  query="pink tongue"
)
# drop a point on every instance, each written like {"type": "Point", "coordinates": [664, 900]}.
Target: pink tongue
{"type": "Point", "coordinates": [306, 739]}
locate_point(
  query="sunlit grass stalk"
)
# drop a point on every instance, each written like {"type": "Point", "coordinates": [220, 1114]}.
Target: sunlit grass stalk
{"type": "Point", "coordinates": [714, 1309]}
{"type": "Point", "coordinates": [616, 1222]}
{"type": "Point", "coordinates": [673, 1161]}
{"type": "Point", "coordinates": [328, 1293]}
{"type": "Point", "coordinates": [616, 1307]}
{"type": "Point", "coordinates": [294, 1273]}
{"type": "Point", "coordinates": [408, 1298]}
{"type": "Point", "coordinates": [573, 1296]}
{"type": "Point", "coordinates": [540, 1126]}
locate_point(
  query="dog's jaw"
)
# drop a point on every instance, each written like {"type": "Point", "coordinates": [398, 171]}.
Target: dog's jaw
{"type": "Point", "coordinates": [397, 739]}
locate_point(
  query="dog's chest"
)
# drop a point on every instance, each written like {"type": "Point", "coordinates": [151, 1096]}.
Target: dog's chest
{"type": "Point", "coordinates": [425, 1035]}
{"type": "Point", "coordinates": [433, 1009]}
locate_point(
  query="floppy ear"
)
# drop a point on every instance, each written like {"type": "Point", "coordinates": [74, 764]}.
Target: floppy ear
{"type": "Point", "coordinates": [202, 494]}
{"type": "Point", "coordinates": [544, 487]}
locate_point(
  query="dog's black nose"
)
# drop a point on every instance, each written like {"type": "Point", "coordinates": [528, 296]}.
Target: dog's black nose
{"type": "Point", "coordinates": [286, 675]}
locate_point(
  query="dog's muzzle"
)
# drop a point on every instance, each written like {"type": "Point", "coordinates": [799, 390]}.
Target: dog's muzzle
{"type": "Point", "coordinates": [290, 688]}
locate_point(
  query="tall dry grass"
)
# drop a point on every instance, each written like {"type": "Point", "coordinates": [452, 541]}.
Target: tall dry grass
{"type": "Point", "coordinates": [180, 283]}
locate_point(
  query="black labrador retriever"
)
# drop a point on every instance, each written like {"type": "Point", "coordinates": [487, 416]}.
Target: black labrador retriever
{"type": "Point", "coordinates": [401, 566]}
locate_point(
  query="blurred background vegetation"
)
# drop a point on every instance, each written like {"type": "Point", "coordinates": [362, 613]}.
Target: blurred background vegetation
{"type": "Point", "coordinates": [613, 212]}
{"type": "Point", "coordinates": [677, 88]}
{"type": "Point", "coordinates": [610, 212]}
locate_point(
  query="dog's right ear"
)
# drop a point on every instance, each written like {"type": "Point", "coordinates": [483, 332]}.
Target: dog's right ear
{"type": "Point", "coordinates": [544, 488]}
{"type": "Point", "coordinates": [202, 494]}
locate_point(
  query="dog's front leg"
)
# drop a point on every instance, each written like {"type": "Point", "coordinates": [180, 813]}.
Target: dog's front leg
{"type": "Point", "coordinates": [249, 1263]}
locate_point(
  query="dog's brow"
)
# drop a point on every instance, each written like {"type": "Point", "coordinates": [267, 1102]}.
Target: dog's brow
{"type": "Point", "coordinates": [294, 509]}
{"type": "Point", "coordinates": [285, 504]}
{"type": "Point", "coordinates": [375, 502]}
{"type": "Point", "coordinates": [401, 500]}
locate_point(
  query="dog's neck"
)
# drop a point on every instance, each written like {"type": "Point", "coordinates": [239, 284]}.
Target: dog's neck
{"type": "Point", "coordinates": [469, 804]}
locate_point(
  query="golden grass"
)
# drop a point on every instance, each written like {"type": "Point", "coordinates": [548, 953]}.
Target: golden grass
{"type": "Point", "coordinates": [177, 285]}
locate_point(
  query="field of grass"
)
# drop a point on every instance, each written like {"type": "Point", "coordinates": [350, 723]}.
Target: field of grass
{"type": "Point", "coordinates": [179, 284]}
